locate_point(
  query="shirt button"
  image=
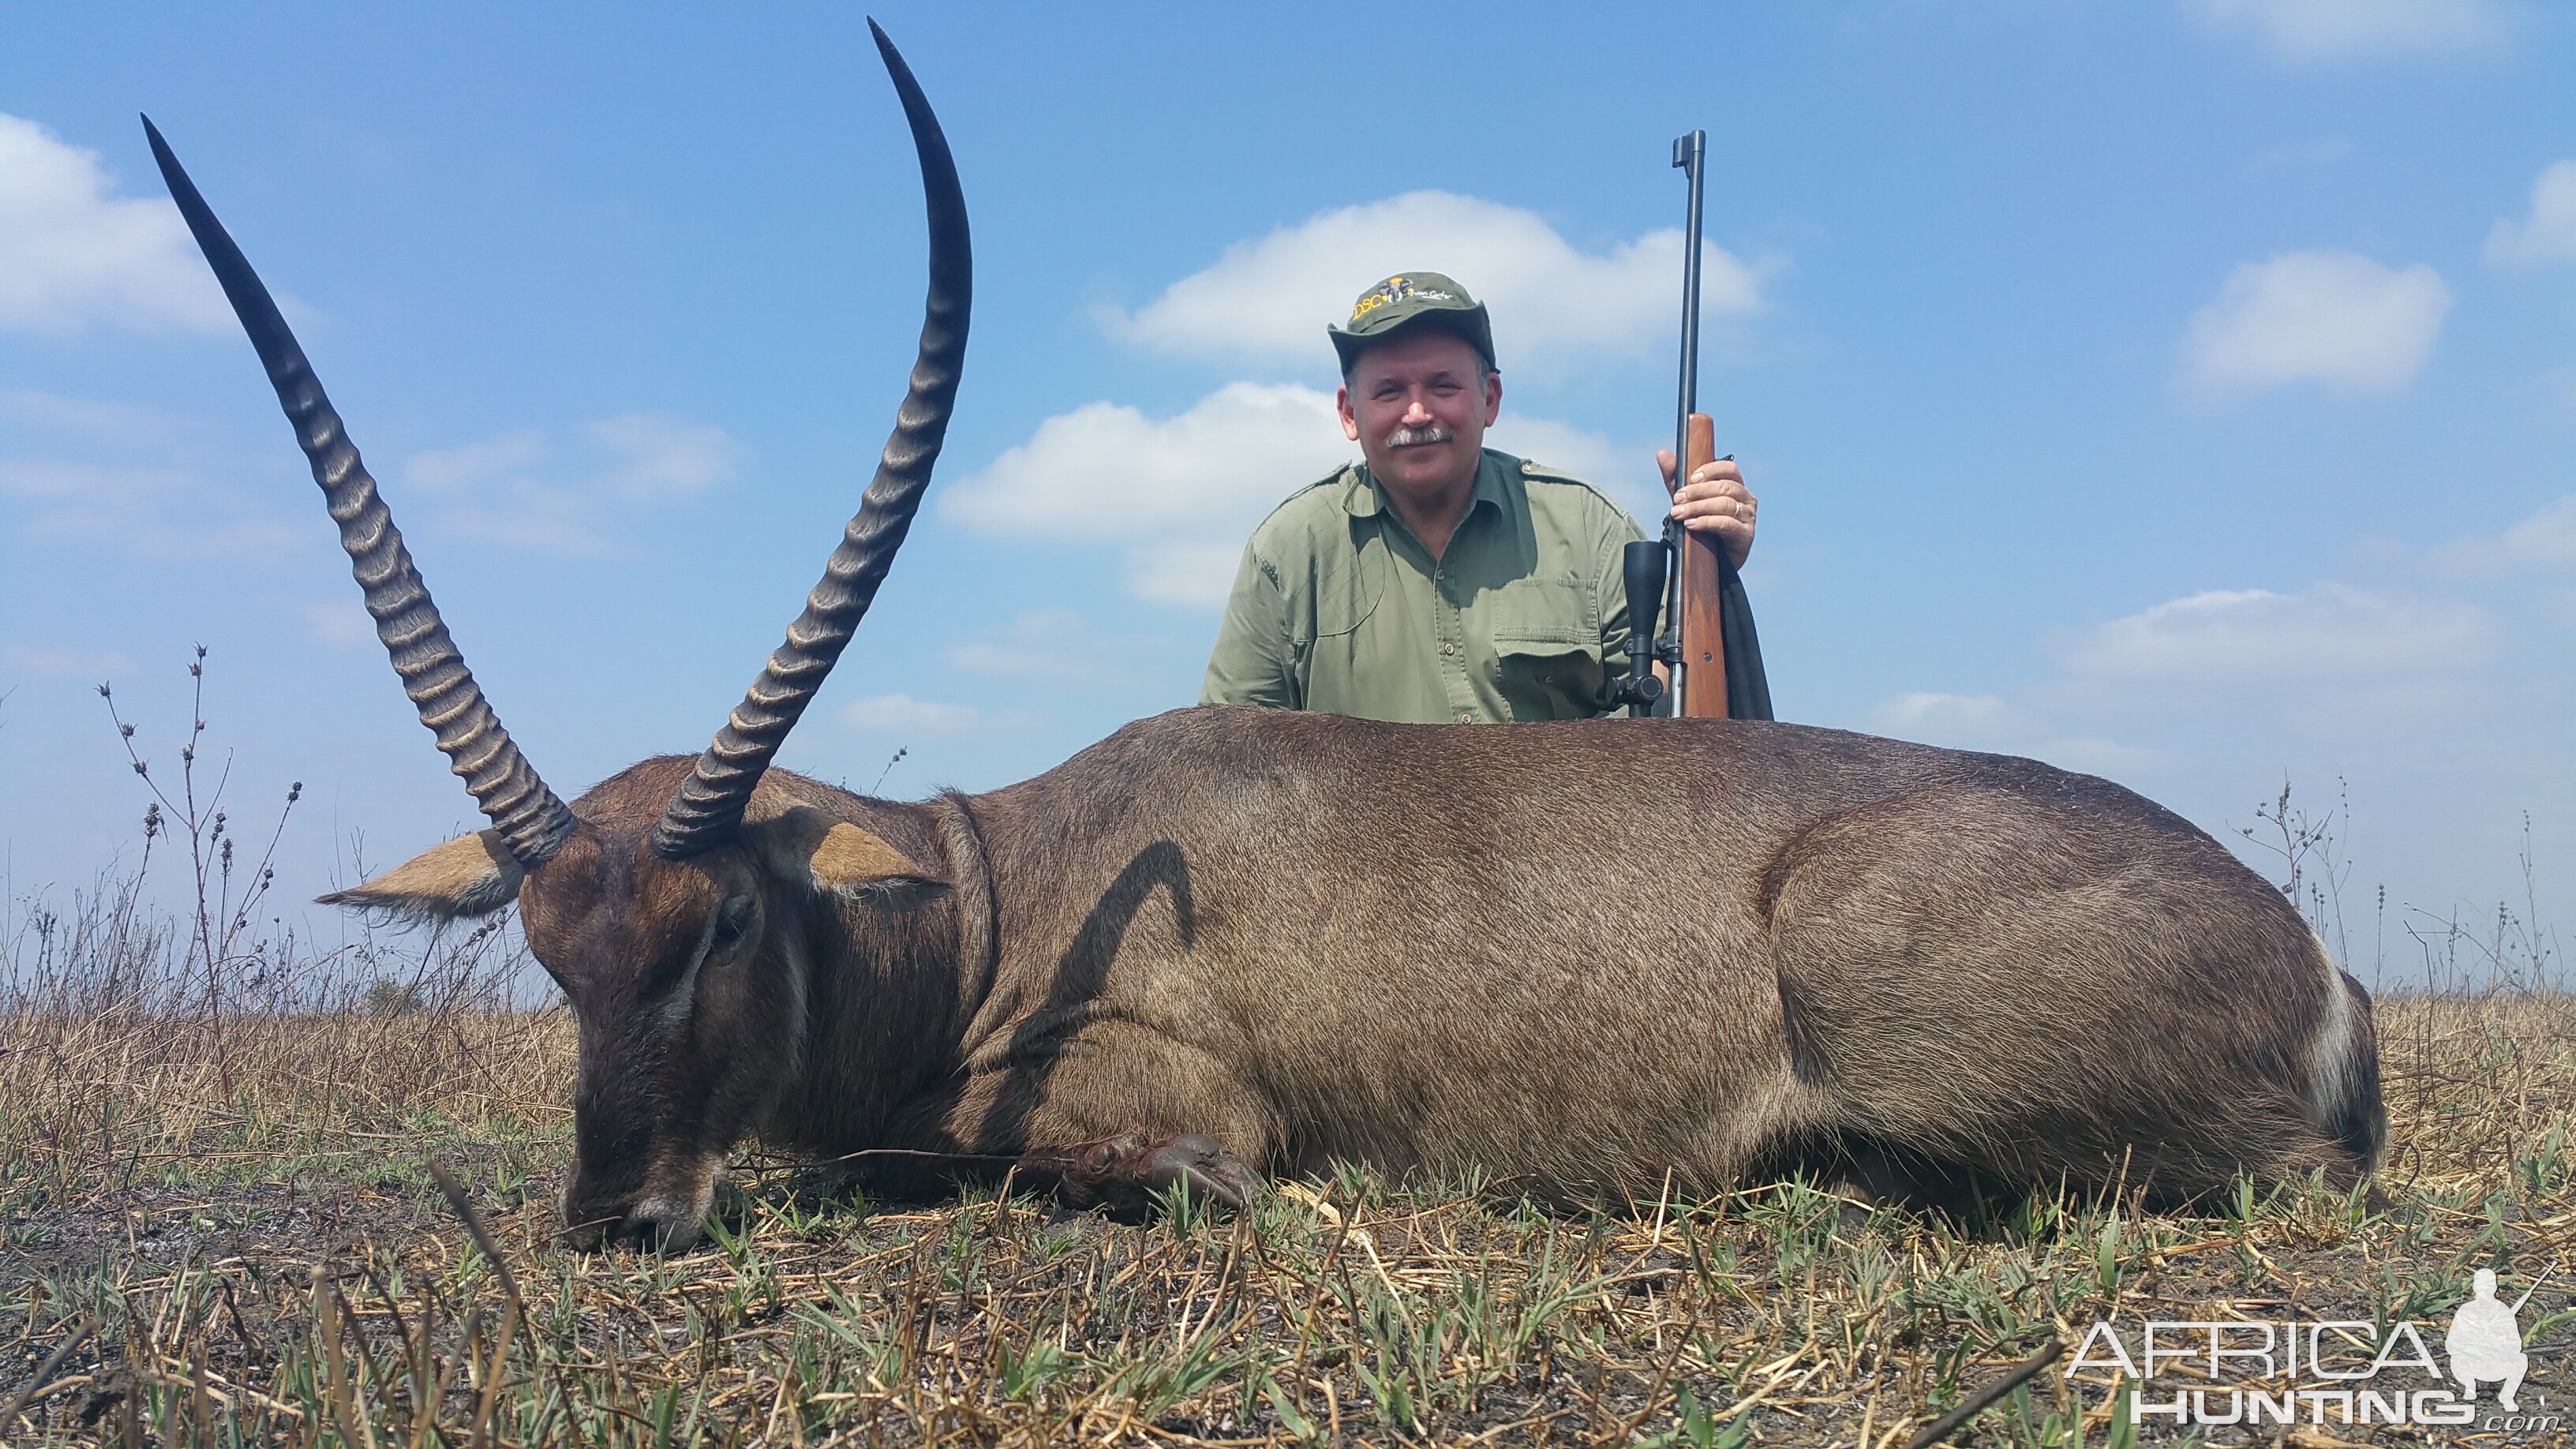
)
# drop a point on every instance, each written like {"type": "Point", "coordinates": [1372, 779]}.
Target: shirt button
{"type": "Point", "coordinates": [1448, 648]}
{"type": "Point", "coordinates": [1465, 718]}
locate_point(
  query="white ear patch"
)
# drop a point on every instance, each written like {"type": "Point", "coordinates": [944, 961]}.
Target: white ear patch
{"type": "Point", "coordinates": [848, 857]}
{"type": "Point", "coordinates": [834, 855]}
{"type": "Point", "coordinates": [472, 875]}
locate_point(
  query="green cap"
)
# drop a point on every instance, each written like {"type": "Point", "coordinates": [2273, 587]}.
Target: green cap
{"type": "Point", "coordinates": [1408, 299]}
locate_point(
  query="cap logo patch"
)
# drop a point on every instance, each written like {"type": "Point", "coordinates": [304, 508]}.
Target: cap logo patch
{"type": "Point", "coordinates": [1393, 289]}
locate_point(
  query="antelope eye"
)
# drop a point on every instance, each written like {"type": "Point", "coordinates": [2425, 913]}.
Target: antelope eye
{"type": "Point", "coordinates": [733, 922]}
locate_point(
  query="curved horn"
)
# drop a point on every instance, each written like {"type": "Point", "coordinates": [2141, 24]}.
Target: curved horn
{"type": "Point", "coordinates": [709, 805]}
{"type": "Point", "coordinates": [532, 822]}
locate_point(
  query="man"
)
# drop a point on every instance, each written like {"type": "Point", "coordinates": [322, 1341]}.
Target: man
{"type": "Point", "coordinates": [1439, 581]}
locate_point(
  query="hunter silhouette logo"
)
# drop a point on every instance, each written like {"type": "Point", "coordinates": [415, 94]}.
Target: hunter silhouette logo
{"type": "Point", "coordinates": [2327, 1371]}
{"type": "Point", "coordinates": [2485, 1341]}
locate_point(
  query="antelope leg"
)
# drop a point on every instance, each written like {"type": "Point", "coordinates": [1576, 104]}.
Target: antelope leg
{"type": "Point", "coordinates": [1109, 1116]}
{"type": "Point", "coordinates": [1124, 1173]}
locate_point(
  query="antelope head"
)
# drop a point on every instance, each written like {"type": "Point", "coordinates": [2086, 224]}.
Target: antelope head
{"type": "Point", "coordinates": [669, 902]}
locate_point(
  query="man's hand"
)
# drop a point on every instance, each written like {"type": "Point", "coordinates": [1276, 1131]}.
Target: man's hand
{"type": "Point", "coordinates": [1715, 500]}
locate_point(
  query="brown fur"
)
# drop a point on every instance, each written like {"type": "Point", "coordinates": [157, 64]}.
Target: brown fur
{"type": "Point", "coordinates": [1434, 948]}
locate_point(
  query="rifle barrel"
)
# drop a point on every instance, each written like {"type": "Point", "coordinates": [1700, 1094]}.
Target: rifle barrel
{"type": "Point", "coordinates": [1693, 584]}
{"type": "Point", "coordinates": [1689, 153]}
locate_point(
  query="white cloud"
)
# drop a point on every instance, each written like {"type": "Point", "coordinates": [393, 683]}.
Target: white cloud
{"type": "Point", "coordinates": [901, 714]}
{"type": "Point", "coordinates": [72, 253]}
{"type": "Point", "coordinates": [469, 466]}
{"type": "Point", "coordinates": [658, 457]}
{"type": "Point", "coordinates": [339, 623]}
{"type": "Point", "coordinates": [1186, 573]}
{"type": "Point", "coordinates": [2440, 714]}
{"type": "Point", "coordinates": [1267, 300]}
{"type": "Point", "coordinates": [2321, 316]}
{"type": "Point", "coordinates": [1992, 723]}
{"type": "Point", "coordinates": [1182, 493]}
{"type": "Point", "coordinates": [2328, 662]}
{"type": "Point", "coordinates": [2545, 540]}
{"type": "Point", "coordinates": [2337, 30]}
{"type": "Point", "coordinates": [1053, 644]}
{"type": "Point", "coordinates": [1562, 445]}
{"type": "Point", "coordinates": [512, 489]}
{"type": "Point", "coordinates": [1927, 714]}
{"type": "Point", "coordinates": [561, 491]}
{"type": "Point", "coordinates": [162, 512]}
{"type": "Point", "coordinates": [2320, 654]}
{"type": "Point", "coordinates": [2327, 634]}
{"type": "Point", "coordinates": [2548, 234]}
{"type": "Point", "coordinates": [1626, 471]}
{"type": "Point", "coordinates": [1105, 470]}
{"type": "Point", "coordinates": [82, 417]}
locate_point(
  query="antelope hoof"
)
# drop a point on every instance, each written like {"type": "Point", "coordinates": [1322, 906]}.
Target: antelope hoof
{"type": "Point", "coordinates": [1124, 1173]}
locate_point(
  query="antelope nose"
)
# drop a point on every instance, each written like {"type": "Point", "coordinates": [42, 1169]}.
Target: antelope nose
{"type": "Point", "coordinates": [588, 1223]}
{"type": "Point", "coordinates": [660, 1227]}
{"type": "Point", "coordinates": [652, 1226]}
{"type": "Point", "coordinates": [653, 1222]}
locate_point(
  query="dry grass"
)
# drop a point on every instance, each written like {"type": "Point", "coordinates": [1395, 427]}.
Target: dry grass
{"type": "Point", "coordinates": [245, 1214]}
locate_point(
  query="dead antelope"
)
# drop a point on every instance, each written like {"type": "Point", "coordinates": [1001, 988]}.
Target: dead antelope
{"type": "Point", "coordinates": [1223, 943]}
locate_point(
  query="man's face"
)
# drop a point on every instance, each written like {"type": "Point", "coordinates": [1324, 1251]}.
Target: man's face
{"type": "Point", "coordinates": [1418, 405]}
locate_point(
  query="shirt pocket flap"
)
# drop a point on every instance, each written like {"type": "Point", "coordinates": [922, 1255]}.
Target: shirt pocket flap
{"type": "Point", "coordinates": [1547, 651]}
{"type": "Point", "coordinates": [1544, 617]}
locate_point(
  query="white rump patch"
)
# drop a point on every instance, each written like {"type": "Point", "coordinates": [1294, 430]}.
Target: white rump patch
{"type": "Point", "coordinates": [2330, 1055]}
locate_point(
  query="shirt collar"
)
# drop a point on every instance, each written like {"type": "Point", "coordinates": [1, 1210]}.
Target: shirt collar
{"type": "Point", "coordinates": [1365, 497]}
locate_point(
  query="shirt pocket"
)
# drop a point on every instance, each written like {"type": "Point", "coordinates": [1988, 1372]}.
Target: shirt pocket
{"type": "Point", "coordinates": [1547, 651]}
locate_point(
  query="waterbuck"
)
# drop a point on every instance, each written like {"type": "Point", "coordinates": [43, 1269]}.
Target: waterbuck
{"type": "Point", "coordinates": [1589, 957]}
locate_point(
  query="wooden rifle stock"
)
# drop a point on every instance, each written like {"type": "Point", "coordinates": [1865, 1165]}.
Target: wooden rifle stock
{"type": "Point", "coordinates": [1703, 686]}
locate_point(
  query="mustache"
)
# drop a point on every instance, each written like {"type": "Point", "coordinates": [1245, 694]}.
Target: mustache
{"type": "Point", "coordinates": [1411, 437]}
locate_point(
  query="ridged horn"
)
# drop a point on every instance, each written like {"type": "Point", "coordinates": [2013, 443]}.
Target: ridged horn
{"type": "Point", "coordinates": [709, 804]}
{"type": "Point", "coordinates": [532, 822]}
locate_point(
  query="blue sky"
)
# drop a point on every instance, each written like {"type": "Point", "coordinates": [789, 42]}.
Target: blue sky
{"type": "Point", "coordinates": [2181, 392]}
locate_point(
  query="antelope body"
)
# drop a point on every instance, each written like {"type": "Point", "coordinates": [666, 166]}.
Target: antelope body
{"type": "Point", "coordinates": [1228, 942]}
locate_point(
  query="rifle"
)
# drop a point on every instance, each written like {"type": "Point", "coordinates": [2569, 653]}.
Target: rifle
{"type": "Point", "coordinates": [1708, 644]}
{"type": "Point", "coordinates": [2534, 1288]}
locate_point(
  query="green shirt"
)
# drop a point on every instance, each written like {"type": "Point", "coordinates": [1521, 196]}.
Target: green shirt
{"type": "Point", "coordinates": [1338, 606]}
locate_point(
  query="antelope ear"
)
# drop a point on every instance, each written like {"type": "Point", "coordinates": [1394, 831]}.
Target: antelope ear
{"type": "Point", "coordinates": [839, 856]}
{"type": "Point", "coordinates": [472, 875]}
